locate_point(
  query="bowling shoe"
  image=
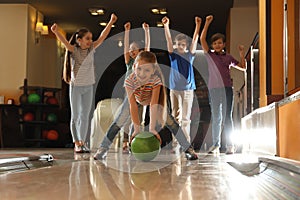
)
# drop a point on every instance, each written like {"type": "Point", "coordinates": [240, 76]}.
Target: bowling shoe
{"type": "Point", "coordinates": [230, 150]}
{"type": "Point", "coordinates": [214, 150]}
{"type": "Point", "coordinates": [125, 148]}
{"type": "Point", "coordinates": [78, 149]}
{"type": "Point", "coordinates": [81, 149]}
{"type": "Point", "coordinates": [85, 149]}
{"type": "Point", "coordinates": [101, 153]}
{"type": "Point", "coordinates": [190, 154]}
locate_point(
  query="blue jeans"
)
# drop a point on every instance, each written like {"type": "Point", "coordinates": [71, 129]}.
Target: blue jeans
{"type": "Point", "coordinates": [81, 99]}
{"type": "Point", "coordinates": [221, 103]}
{"type": "Point", "coordinates": [124, 115]}
{"type": "Point", "coordinates": [123, 119]}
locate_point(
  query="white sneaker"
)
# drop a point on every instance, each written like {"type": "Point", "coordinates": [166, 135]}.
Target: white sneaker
{"type": "Point", "coordinates": [230, 150]}
{"type": "Point", "coordinates": [213, 150]}
{"type": "Point", "coordinates": [101, 153]}
{"type": "Point", "coordinates": [175, 149]}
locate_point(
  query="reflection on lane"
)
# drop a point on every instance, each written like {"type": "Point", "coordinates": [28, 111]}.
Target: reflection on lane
{"type": "Point", "coordinates": [146, 180]}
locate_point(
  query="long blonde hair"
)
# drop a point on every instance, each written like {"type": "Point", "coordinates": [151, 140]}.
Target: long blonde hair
{"type": "Point", "coordinates": [150, 57]}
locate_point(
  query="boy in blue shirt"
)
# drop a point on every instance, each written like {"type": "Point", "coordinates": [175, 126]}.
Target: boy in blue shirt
{"type": "Point", "coordinates": [181, 79]}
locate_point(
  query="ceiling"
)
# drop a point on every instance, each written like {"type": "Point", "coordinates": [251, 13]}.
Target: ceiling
{"type": "Point", "coordinates": [74, 14]}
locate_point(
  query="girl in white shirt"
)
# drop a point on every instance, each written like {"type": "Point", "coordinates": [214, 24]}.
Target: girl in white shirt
{"type": "Point", "coordinates": [79, 72]}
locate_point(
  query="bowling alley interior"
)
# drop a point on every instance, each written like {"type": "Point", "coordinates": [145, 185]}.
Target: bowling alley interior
{"type": "Point", "coordinates": [38, 156]}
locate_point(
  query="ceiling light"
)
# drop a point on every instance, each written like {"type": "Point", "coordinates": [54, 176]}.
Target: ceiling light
{"type": "Point", "coordinates": [159, 11]}
{"type": "Point", "coordinates": [120, 43]}
{"type": "Point", "coordinates": [163, 11]}
{"type": "Point", "coordinates": [96, 11]}
{"type": "Point", "coordinates": [155, 11]}
{"type": "Point", "coordinates": [159, 24]}
{"type": "Point", "coordinates": [104, 24]}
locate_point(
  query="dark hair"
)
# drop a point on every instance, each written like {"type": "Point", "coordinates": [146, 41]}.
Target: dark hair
{"type": "Point", "coordinates": [217, 36]}
{"type": "Point", "coordinates": [81, 33]}
{"type": "Point", "coordinates": [138, 44]}
{"type": "Point", "coordinates": [182, 36]}
{"type": "Point", "coordinates": [67, 63]}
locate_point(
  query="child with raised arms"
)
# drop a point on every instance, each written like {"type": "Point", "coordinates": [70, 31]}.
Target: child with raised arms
{"type": "Point", "coordinates": [79, 73]}
{"type": "Point", "coordinates": [220, 86]}
{"type": "Point", "coordinates": [131, 50]}
{"type": "Point", "coordinates": [182, 79]}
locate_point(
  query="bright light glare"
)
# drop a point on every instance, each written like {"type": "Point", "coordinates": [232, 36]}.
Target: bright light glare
{"type": "Point", "coordinates": [255, 139]}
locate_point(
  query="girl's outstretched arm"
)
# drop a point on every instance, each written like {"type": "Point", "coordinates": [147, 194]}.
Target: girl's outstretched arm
{"type": "Point", "coordinates": [126, 42]}
{"type": "Point", "coordinates": [203, 41]}
{"type": "Point", "coordinates": [60, 37]}
{"type": "Point", "coordinates": [106, 30]}
{"type": "Point", "coordinates": [193, 46]}
{"type": "Point", "coordinates": [133, 112]}
{"type": "Point", "coordinates": [147, 36]}
{"type": "Point", "coordinates": [153, 112]}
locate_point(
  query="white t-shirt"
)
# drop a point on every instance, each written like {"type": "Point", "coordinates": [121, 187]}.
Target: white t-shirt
{"type": "Point", "coordinates": [83, 68]}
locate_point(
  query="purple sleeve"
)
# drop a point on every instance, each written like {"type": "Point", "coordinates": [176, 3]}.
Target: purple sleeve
{"type": "Point", "coordinates": [233, 60]}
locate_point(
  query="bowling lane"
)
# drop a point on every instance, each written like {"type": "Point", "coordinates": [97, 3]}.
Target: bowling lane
{"type": "Point", "coordinates": [168, 176]}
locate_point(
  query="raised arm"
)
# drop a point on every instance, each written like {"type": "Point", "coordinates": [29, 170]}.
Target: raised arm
{"type": "Point", "coordinates": [203, 35]}
{"type": "Point", "coordinates": [126, 42]}
{"type": "Point", "coordinates": [242, 62]}
{"type": "Point", "coordinates": [147, 36]}
{"type": "Point", "coordinates": [193, 45]}
{"type": "Point", "coordinates": [60, 37]}
{"type": "Point", "coordinates": [166, 23]}
{"type": "Point", "coordinates": [106, 30]}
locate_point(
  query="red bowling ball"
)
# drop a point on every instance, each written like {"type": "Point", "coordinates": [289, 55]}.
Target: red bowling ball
{"type": "Point", "coordinates": [28, 117]}
{"type": "Point", "coordinates": [52, 100]}
{"type": "Point", "coordinates": [52, 135]}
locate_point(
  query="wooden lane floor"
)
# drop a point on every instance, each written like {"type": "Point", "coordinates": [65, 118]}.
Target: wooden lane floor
{"type": "Point", "coordinates": [169, 176]}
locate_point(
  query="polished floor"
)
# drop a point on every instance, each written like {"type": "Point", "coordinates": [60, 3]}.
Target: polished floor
{"type": "Point", "coordinates": [121, 176]}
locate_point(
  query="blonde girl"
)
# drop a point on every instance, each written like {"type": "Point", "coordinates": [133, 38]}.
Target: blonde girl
{"type": "Point", "coordinates": [145, 86]}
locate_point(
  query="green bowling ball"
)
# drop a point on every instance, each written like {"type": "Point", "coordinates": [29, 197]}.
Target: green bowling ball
{"type": "Point", "coordinates": [34, 98]}
{"type": "Point", "coordinates": [51, 117]}
{"type": "Point", "coordinates": [146, 181]}
{"type": "Point", "coordinates": [145, 146]}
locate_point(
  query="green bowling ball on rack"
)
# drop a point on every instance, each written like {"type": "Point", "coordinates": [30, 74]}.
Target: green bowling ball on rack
{"type": "Point", "coordinates": [34, 98]}
{"type": "Point", "coordinates": [51, 117]}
